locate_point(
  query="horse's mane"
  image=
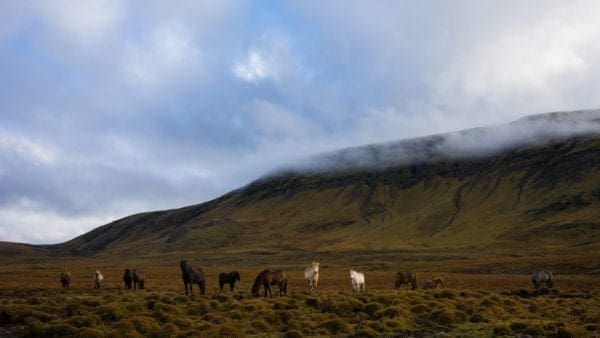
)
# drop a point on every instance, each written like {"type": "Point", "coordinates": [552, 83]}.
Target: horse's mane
{"type": "Point", "coordinates": [259, 279]}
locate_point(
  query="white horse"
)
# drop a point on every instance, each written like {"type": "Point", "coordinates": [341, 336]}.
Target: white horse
{"type": "Point", "coordinates": [97, 278]}
{"type": "Point", "coordinates": [311, 274]}
{"type": "Point", "coordinates": [358, 281]}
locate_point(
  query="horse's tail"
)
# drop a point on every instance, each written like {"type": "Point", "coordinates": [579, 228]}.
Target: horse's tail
{"type": "Point", "coordinates": [285, 285]}
{"type": "Point", "coordinates": [414, 282]}
{"type": "Point", "coordinates": [550, 279]}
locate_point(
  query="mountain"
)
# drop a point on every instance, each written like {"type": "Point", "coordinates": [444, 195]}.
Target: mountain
{"type": "Point", "coordinates": [529, 186]}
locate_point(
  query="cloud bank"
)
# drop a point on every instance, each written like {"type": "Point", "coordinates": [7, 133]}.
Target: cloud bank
{"type": "Point", "coordinates": [465, 144]}
{"type": "Point", "coordinates": [108, 107]}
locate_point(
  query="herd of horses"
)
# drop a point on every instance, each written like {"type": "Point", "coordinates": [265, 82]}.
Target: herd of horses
{"type": "Point", "coordinates": [266, 278]}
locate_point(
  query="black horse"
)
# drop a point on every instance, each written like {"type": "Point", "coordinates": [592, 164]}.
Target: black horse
{"type": "Point", "coordinates": [138, 279]}
{"type": "Point", "coordinates": [267, 278]}
{"type": "Point", "coordinates": [128, 278]}
{"type": "Point", "coordinates": [228, 278]}
{"type": "Point", "coordinates": [190, 276]}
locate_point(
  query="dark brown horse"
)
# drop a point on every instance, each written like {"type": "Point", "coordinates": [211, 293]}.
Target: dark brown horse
{"type": "Point", "coordinates": [138, 279]}
{"type": "Point", "coordinates": [190, 276]}
{"type": "Point", "coordinates": [128, 278]}
{"type": "Point", "coordinates": [267, 278]}
{"type": "Point", "coordinates": [406, 277]}
{"type": "Point", "coordinates": [65, 280]}
{"type": "Point", "coordinates": [228, 278]}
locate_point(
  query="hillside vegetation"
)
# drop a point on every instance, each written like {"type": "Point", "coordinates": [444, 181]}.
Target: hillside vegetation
{"type": "Point", "coordinates": [417, 200]}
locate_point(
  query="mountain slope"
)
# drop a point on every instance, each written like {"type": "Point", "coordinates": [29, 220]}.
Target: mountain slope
{"type": "Point", "coordinates": [541, 193]}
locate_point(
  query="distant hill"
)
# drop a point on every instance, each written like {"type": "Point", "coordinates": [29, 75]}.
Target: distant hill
{"type": "Point", "coordinates": [531, 185]}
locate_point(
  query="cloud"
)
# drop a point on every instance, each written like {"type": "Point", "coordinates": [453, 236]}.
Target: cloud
{"type": "Point", "coordinates": [83, 23]}
{"type": "Point", "coordinates": [470, 143]}
{"type": "Point", "coordinates": [28, 150]}
{"type": "Point", "coordinates": [269, 57]}
{"type": "Point", "coordinates": [168, 53]}
{"type": "Point", "coordinates": [254, 67]}
{"type": "Point", "coordinates": [26, 221]}
{"type": "Point", "coordinates": [111, 107]}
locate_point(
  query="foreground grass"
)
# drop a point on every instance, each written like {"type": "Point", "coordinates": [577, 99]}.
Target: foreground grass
{"type": "Point", "coordinates": [116, 312]}
{"type": "Point", "coordinates": [32, 305]}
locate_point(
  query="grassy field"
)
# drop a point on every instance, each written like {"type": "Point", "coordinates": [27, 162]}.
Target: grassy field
{"type": "Point", "coordinates": [32, 304]}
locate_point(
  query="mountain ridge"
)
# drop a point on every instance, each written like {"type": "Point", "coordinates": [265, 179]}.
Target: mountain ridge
{"type": "Point", "coordinates": [546, 192]}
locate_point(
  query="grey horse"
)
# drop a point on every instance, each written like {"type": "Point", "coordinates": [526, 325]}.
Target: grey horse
{"type": "Point", "coordinates": [542, 276]}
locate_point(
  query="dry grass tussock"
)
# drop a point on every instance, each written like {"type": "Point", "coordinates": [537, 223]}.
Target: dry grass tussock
{"type": "Point", "coordinates": [469, 305]}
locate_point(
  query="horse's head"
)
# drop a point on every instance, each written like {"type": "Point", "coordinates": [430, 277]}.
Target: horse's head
{"type": "Point", "coordinates": [256, 287]}
{"type": "Point", "coordinates": [236, 275]}
{"type": "Point", "coordinates": [258, 282]}
{"type": "Point", "coordinates": [315, 266]}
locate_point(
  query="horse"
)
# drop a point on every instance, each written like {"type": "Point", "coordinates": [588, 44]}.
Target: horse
{"type": "Point", "coordinates": [406, 277]}
{"type": "Point", "coordinates": [190, 276]}
{"type": "Point", "coordinates": [358, 281]}
{"type": "Point", "coordinates": [311, 274]}
{"type": "Point", "coordinates": [138, 279]}
{"type": "Point", "coordinates": [97, 278]}
{"type": "Point", "coordinates": [542, 276]}
{"type": "Point", "coordinates": [128, 278]}
{"type": "Point", "coordinates": [65, 280]}
{"type": "Point", "coordinates": [267, 278]}
{"type": "Point", "coordinates": [433, 283]}
{"type": "Point", "coordinates": [228, 278]}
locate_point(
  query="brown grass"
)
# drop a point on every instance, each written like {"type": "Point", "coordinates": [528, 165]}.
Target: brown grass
{"type": "Point", "coordinates": [32, 304]}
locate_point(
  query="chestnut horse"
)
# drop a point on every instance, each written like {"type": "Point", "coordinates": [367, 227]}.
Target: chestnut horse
{"type": "Point", "coordinates": [433, 283]}
{"type": "Point", "coordinates": [267, 278]}
{"type": "Point", "coordinates": [65, 280]}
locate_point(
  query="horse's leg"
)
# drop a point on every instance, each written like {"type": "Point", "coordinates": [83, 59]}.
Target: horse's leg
{"type": "Point", "coordinates": [221, 284]}
{"type": "Point", "coordinates": [231, 285]}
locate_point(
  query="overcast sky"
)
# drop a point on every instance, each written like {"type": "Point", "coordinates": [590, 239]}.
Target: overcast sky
{"type": "Point", "coordinates": [109, 108]}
